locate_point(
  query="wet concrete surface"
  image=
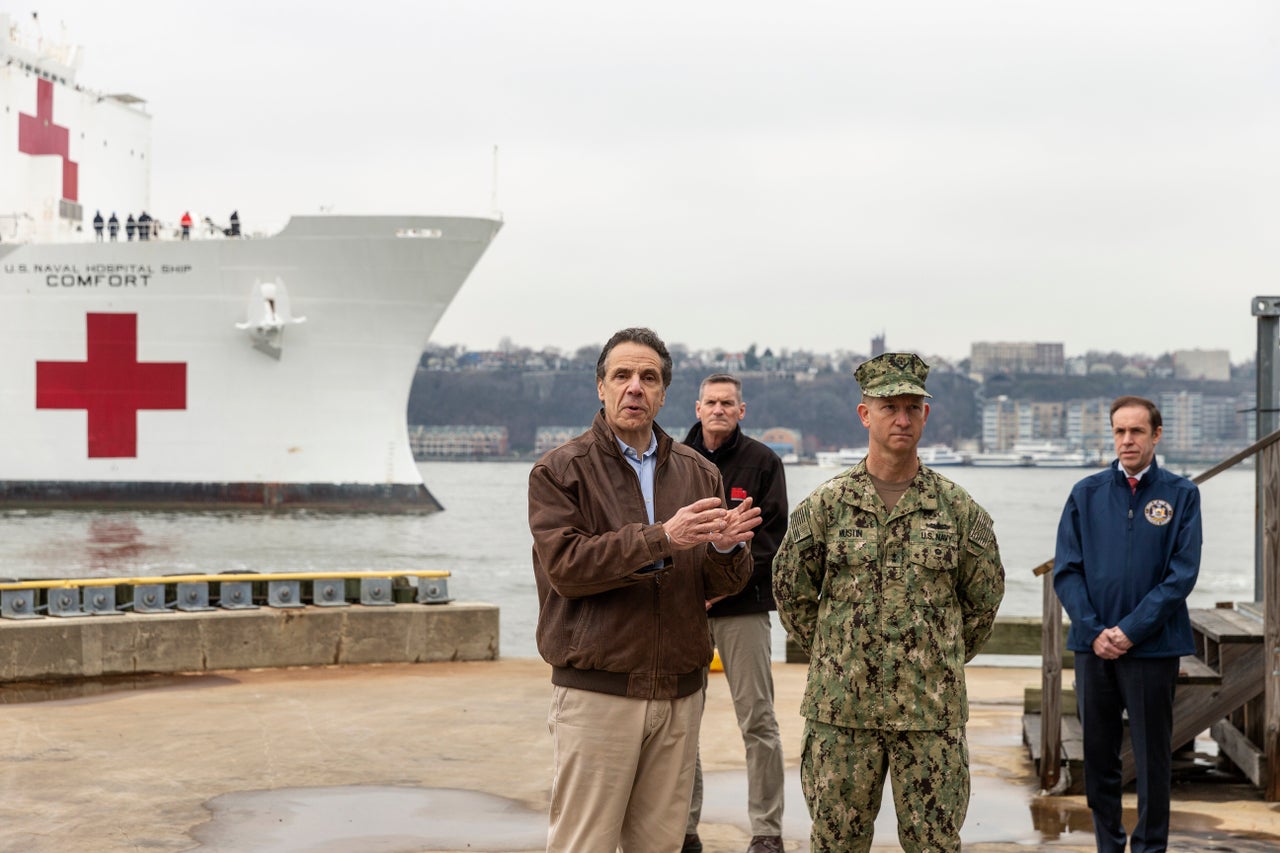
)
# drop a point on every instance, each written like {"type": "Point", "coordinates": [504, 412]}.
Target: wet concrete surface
{"type": "Point", "coordinates": [453, 757]}
{"type": "Point", "coordinates": [371, 820]}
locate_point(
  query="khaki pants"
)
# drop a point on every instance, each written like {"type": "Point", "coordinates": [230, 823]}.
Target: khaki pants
{"type": "Point", "coordinates": [745, 644]}
{"type": "Point", "coordinates": [623, 771]}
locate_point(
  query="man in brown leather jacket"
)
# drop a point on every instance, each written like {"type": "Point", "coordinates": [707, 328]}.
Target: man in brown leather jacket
{"type": "Point", "coordinates": [630, 538]}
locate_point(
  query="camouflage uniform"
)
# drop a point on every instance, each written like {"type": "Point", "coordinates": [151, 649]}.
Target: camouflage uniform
{"type": "Point", "coordinates": [889, 606]}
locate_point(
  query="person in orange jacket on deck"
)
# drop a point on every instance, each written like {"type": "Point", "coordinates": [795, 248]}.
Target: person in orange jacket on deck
{"type": "Point", "coordinates": [186, 225]}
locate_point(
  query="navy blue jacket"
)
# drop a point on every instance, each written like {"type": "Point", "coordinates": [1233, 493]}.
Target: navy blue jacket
{"type": "Point", "coordinates": [1130, 560]}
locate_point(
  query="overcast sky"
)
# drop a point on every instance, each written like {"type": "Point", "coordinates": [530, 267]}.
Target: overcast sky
{"type": "Point", "coordinates": [797, 175]}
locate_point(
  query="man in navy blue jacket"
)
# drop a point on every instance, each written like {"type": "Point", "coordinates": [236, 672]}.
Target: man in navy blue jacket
{"type": "Point", "coordinates": [1127, 557]}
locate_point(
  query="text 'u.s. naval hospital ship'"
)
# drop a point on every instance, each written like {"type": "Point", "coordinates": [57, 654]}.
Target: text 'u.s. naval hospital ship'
{"type": "Point", "coordinates": [218, 371]}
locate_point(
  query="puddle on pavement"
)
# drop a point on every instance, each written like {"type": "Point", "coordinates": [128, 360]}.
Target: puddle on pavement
{"type": "Point", "coordinates": [373, 819]}
{"type": "Point", "coordinates": [370, 820]}
{"type": "Point", "coordinates": [1061, 821]}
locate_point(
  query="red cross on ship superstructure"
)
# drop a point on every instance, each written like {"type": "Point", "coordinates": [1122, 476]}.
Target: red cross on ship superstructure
{"type": "Point", "coordinates": [37, 134]}
{"type": "Point", "coordinates": [111, 385]}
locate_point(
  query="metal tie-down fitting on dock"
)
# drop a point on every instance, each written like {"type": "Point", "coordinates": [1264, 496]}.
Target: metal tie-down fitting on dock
{"type": "Point", "coordinates": [101, 601]}
{"type": "Point", "coordinates": [329, 592]}
{"type": "Point", "coordinates": [65, 602]}
{"type": "Point", "coordinates": [193, 597]}
{"type": "Point", "coordinates": [236, 595]}
{"type": "Point", "coordinates": [433, 591]}
{"type": "Point", "coordinates": [284, 593]}
{"type": "Point", "coordinates": [376, 591]}
{"type": "Point", "coordinates": [18, 604]}
{"type": "Point", "coordinates": [149, 598]}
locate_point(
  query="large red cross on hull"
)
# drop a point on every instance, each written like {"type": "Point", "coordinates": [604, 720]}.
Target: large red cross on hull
{"type": "Point", "coordinates": [112, 385]}
{"type": "Point", "coordinates": [38, 134]}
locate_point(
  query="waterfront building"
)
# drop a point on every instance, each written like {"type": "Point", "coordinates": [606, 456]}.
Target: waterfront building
{"type": "Point", "coordinates": [987, 358]}
{"type": "Point", "coordinates": [457, 442]}
{"type": "Point", "coordinates": [1089, 425]}
{"type": "Point", "coordinates": [1183, 414]}
{"type": "Point", "coordinates": [1042, 421]}
{"type": "Point", "coordinates": [786, 442]}
{"type": "Point", "coordinates": [999, 424]}
{"type": "Point", "coordinates": [1007, 422]}
{"type": "Point", "coordinates": [550, 437]}
{"type": "Point", "coordinates": [1213, 364]}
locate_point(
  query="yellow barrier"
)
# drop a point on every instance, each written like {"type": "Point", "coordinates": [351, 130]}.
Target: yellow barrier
{"type": "Point", "coordinates": [230, 577]}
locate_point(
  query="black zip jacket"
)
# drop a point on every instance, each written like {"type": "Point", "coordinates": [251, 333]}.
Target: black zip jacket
{"type": "Point", "coordinates": [750, 470]}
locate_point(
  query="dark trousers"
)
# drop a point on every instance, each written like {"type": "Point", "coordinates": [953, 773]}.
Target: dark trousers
{"type": "Point", "coordinates": [1144, 687]}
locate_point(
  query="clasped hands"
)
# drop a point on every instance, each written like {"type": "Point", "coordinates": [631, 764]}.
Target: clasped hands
{"type": "Point", "coordinates": [1111, 644]}
{"type": "Point", "coordinates": [707, 520]}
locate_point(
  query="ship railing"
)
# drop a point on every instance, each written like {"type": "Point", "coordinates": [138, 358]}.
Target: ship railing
{"type": "Point", "coordinates": [194, 593]}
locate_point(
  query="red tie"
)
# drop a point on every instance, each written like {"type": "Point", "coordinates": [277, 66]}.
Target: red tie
{"type": "Point", "coordinates": [1133, 485]}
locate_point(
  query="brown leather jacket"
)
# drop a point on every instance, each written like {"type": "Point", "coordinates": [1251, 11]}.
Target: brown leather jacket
{"type": "Point", "coordinates": [607, 622]}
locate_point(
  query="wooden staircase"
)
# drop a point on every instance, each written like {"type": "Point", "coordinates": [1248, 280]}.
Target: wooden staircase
{"type": "Point", "coordinates": [1230, 702]}
{"type": "Point", "coordinates": [1220, 688]}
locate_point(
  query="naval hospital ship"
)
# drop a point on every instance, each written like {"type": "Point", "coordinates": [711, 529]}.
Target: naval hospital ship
{"type": "Point", "coordinates": [215, 372]}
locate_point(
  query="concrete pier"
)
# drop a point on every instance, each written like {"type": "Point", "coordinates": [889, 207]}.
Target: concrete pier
{"type": "Point", "coordinates": [139, 644]}
{"type": "Point", "coordinates": [411, 758]}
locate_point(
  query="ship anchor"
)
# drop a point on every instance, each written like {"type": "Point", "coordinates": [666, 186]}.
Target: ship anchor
{"type": "Point", "coordinates": [267, 315]}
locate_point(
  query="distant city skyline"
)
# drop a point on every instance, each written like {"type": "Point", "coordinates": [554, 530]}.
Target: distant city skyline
{"type": "Point", "coordinates": [515, 345]}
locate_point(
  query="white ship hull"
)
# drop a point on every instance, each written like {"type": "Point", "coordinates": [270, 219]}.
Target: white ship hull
{"type": "Point", "coordinates": [211, 371]}
{"type": "Point", "coordinates": [229, 422]}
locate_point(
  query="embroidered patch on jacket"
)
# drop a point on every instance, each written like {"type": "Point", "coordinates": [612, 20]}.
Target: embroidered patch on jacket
{"type": "Point", "coordinates": [981, 535]}
{"type": "Point", "coordinates": [1158, 513]}
{"type": "Point", "coordinates": [799, 527]}
{"type": "Point", "coordinates": [737, 493]}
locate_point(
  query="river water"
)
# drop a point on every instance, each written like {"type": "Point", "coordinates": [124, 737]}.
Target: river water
{"type": "Point", "coordinates": [483, 539]}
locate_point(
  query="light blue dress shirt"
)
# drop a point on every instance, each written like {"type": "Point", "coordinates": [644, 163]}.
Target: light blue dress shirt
{"type": "Point", "coordinates": [644, 466]}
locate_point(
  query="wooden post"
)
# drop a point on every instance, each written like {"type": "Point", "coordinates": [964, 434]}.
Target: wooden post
{"type": "Point", "coordinates": [1050, 687]}
{"type": "Point", "coordinates": [1269, 475]}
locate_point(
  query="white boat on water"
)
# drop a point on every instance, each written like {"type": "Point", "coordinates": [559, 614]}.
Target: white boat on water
{"type": "Point", "coordinates": [171, 372]}
{"type": "Point", "coordinates": [940, 455]}
{"type": "Point", "coordinates": [999, 459]}
{"type": "Point", "coordinates": [845, 457]}
{"type": "Point", "coordinates": [1050, 454]}
{"type": "Point", "coordinates": [1034, 455]}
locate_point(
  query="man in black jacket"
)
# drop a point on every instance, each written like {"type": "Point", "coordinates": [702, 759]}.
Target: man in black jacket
{"type": "Point", "coordinates": [740, 625]}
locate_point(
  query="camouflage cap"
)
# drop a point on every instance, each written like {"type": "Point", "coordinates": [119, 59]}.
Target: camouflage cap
{"type": "Point", "coordinates": [892, 374]}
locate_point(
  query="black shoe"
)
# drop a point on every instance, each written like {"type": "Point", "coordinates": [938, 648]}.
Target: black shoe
{"type": "Point", "coordinates": [765, 844]}
{"type": "Point", "coordinates": [692, 844]}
